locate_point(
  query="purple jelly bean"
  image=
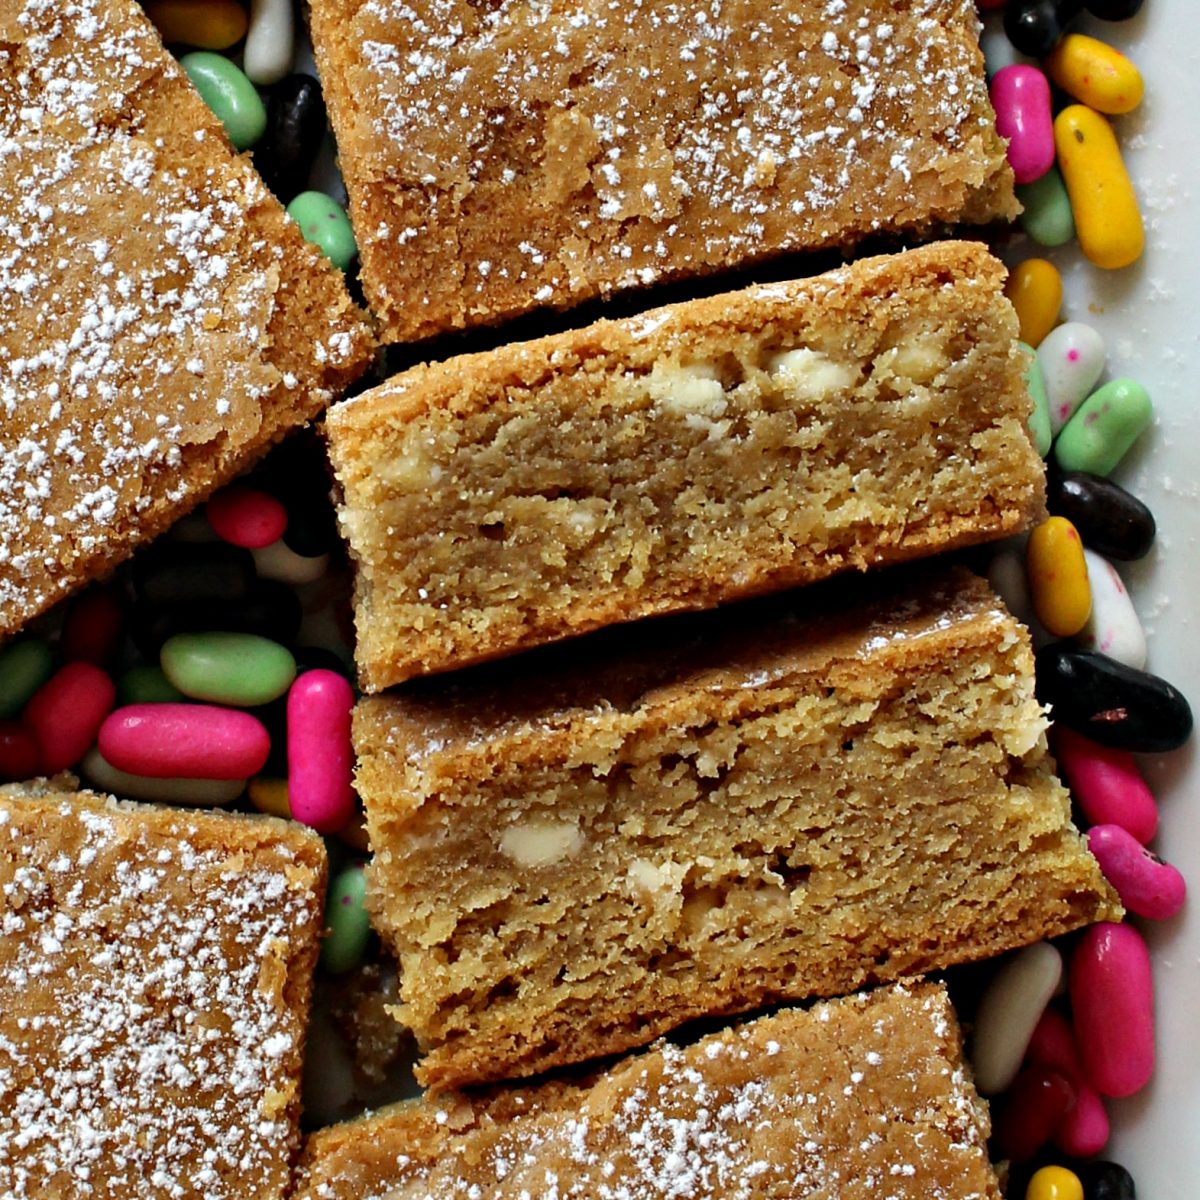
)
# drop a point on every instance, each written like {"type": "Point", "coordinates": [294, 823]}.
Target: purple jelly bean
{"type": "Point", "coordinates": [320, 752]}
{"type": "Point", "coordinates": [1112, 1002]}
{"type": "Point", "coordinates": [190, 741]}
{"type": "Point", "coordinates": [1147, 885]}
{"type": "Point", "coordinates": [1021, 98]}
{"type": "Point", "coordinates": [1106, 784]}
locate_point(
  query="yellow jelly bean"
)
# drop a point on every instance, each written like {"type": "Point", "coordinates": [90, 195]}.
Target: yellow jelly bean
{"type": "Point", "coordinates": [1036, 291]}
{"type": "Point", "coordinates": [1096, 74]}
{"type": "Point", "coordinates": [1107, 221]}
{"type": "Point", "coordinates": [270, 796]}
{"type": "Point", "coordinates": [206, 24]}
{"type": "Point", "coordinates": [1054, 1183]}
{"type": "Point", "coordinates": [1058, 578]}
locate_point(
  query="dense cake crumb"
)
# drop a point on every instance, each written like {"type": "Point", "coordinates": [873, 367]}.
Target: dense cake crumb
{"type": "Point", "coordinates": [162, 321]}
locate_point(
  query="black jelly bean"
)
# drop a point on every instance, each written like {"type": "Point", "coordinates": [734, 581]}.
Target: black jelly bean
{"type": "Point", "coordinates": [295, 127]}
{"type": "Point", "coordinates": [174, 573]}
{"type": "Point", "coordinates": [317, 658]}
{"type": "Point", "coordinates": [1035, 26]}
{"type": "Point", "coordinates": [1111, 703]}
{"type": "Point", "coordinates": [1110, 520]}
{"type": "Point", "coordinates": [1114, 10]}
{"type": "Point", "coordinates": [1106, 1181]}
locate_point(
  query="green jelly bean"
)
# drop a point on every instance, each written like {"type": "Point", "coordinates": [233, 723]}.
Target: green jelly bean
{"type": "Point", "coordinates": [24, 666]}
{"type": "Point", "coordinates": [231, 96]}
{"type": "Point", "coordinates": [146, 684]}
{"type": "Point", "coordinates": [1047, 218]}
{"type": "Point", "coordinates": [1039, 419]}
{"type": "Point", "coordinates": [1103, 428]}
{"type": "Point", "coordinates": [346, 920]}
{"type": "Point", "coordinates": [323, 222]}
{"type": "Point", "coordinates": [241, 669]}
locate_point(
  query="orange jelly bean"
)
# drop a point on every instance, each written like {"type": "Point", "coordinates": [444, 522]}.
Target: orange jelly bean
{"type": "Point", "coordinates": [1058, 578]}
{"type": "Point", "coordinates": [205, 24]}
{"type": "Point", "coordinates": [1036, 291]}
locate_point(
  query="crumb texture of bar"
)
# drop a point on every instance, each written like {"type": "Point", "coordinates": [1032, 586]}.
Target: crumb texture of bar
{"type": "Point", "coordinates": [698, 453]}
{"type": "Point", "coordinates": [569, 864]}
{"type": "Point", "coordinates": [162, 321]}
{"type": "Point", "coordinates": [857, 1098]}
{"type": "Point", "coordinates": [511, 155]}
{"type": "Point", "coordinates": [155, 973]}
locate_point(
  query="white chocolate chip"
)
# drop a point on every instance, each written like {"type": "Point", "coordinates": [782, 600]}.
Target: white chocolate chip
{"type": "Point", "coordinates": [540, 843]}
{"type": "Point", "coordinates": [811, 375]}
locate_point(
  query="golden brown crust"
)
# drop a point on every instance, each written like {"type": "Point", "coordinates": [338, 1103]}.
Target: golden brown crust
{"type": "Point", "coordinates": [510, 155]}
{"type": "Point", "coordinates": [683, 458]}
{"type": "Point", "coordinates": [164, 323]}
{"type": "Point", "coordinates": [833, 1101]}
{"type": "Point", "coordinates": [155, 975]}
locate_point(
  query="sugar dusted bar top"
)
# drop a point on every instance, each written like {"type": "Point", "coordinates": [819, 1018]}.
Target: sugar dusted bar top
{"type": "Point", "coordinates": [155, 969]}
{"type": "Point", "coordinates": [162, 321]}
{"type": "Point", "coordinates": [858, 1098]}
{"type": "Point", "coordinates": [682, 458]}
{"type": "Point", "coordinates": [517, 154]}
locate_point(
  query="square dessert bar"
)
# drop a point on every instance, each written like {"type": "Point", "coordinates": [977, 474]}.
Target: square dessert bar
{"type": "Point", "coordinates": [856, 1099]}
{"type": "Point", "coordinates": [155, 971]}
{"type": "Point", "coordinates": [683, 458]}
{"type": "Point", "coordinates": [575, 857]}
{"type": "Point", "coordinates": [162, 321]}
{"type": "Point", "coordinates": [513, 154]}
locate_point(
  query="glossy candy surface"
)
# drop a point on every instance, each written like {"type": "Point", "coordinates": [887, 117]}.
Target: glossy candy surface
{"type": "Point", "coordinates": [1107, 1181]}
{"type": "Point", "coordinates": [1054, 1183]}
{"type": "Point", "coordinates": [200, 793]}
{"type": "Point", "coordinates": [232, 97]}
{"type": "Point", "coordinates": [279, 562]}
{"type": "Point", "coordinates": [1147, 886]}
{"type": "Point", "coordinates": [206, 24]}
{"type": "Point", "coordinates": [145, 683]}
{"type": "Point", "coordinates": [1096, 74]}
{"type": "Point", "coordinates": [1032, 1110]}
{"type": "Point", "coordinates": [295, 127]}
{"type": "Point", "coordinates": [1058, 578]}
{"type": "Point", "coordinates": [1036, 291]}
{"type": "Point", "coordinates": [193, 741]}
{"type": "Point", "coordinates": [1085, 1128]}
{"type": "Point", "coordinates": [1104, 427]}
{"type": "Point", "coordinates": [1110, 520]}
{"type": "Point", "coordinates": [319, 750]}
{"type": "Point", "coordinates": [323, 222]}
{"type": "Point", "coordinates": [270, 795]}
{"type": "Point", "coordinates": [1021, 98]}
{"type": "Point", "coordinates": [1046, 214]}
{"type": "Point", "coordinates": [65, 713]}
{"type": "Point", "coordinates": [1072, 360]}
{"type": "Point", "coordinates": [25, 664]}
{"type": "Point", "coordinates": [19, 754]}
{"type": "Point", "coordinates": [246, 516]}
{"type": "Point", "coordinates": [94, 627]}
{"type": "Point", "coordinates": [1113, 627]}
{"type": "Point", "coordinates": [1106, 784]}
{"type": "Point", "coordinates": [270, 41]}
{"type": "Point", "coordinates": [239, 669]}
{"type": "Point", "coordinates": [1039, 416]}
{"type": "Point", "coordinates": [1034, 26]}
{"type": "Point", "coordinates": [346, 920]}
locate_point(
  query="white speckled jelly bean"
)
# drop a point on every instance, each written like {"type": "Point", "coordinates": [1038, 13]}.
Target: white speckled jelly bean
{"type": "Point", "coordinates": [270, 41]}
{"type": "Point", "coordinates": [1113, 628]}
{"type": "Point", "coordinates": [279, 561]}
{"type": "Point", "coordinates": [1147, 886]}
{"type": "Point", "coordinates": [1072, 360]}
{"type": "Point", "coordinates": [1009, 1012]}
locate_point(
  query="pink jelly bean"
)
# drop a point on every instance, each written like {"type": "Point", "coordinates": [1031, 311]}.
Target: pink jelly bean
{"type": "Point", "coordinates": [94, 626]}
{"type": "Point", "coordinates": [1084, 1129]}
{"type": "Point", "coordinates": [320, 752]}
{"type": "Point", "coordinates": [246, 517]}
{"type": "Point", "coordinates": [1033, 1110]}
{"type": "Point", "coordinates": [1147, 885]}
{"type": "Point", "coordinates": [1021, 98]}
{"type": "Point", "coordinates": [1112, 1001]}
{"type": "Point", "coordinates": [185, 741]}
{"type": "Point", "coordinates": [1106, 784]}
{"type": "Point", "coordinates": [66, 711]}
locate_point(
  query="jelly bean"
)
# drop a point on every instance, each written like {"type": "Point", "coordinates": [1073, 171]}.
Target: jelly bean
{"type": "Point", "coordinates": [1108, 222]}
{"type": "Point", "coordinates": [230, 95]}
{"type": "Point", "coordinates": [1058, 579]}
{"type": "Point", "coordinates": [19, 754]}
{"type": "Point", "coordinates": [1147, 886]}
{"type": "Point", "coordinates": [1006, 574]}
{"type": "Point", "coordinates": [270, 44]}
{"type": "Point", "coordinates": [281, 563]}
{"type": "Point", "coordinates": [201, 793]}
{"type": "Point", "coordinates": [1106, 784]}
{"type": "Point", "coordinates": [1046, 214]}
{"type": "Point", "coordinates": [985, 5]}
{"type": "Point", "coordinates": [324, 223]}
{"type": "Point", "coordinates": [1034, 26]}
{"type": "Point", "coordinates": [1072, 359]}
{"type": "Point", "coordinates": [1085, 1130]}
{"type": "Point", "coordinates": [1052, 1044]}
{"type": "Point", "coordinates": [1109, 519]}
{"type": "Point", "coordinates": [1111, 703]}
{"type": "Point", "coordinates": [1107, 1181]}
{"type": "Point", "coordinates": [270, 795]}
{"type": "Point", "coordinates": [193, 741]}
{"type": "Point", "coordinates": [1035, 1106]}
{"type": "Point", "coordinates": [206, 574]}
{"type": "Point", "coordinates": [1113, 628]}
{"type": "Point", "coordinates": [1114, 10]}
{"type": "Point", "coordinates": [1009, 1010]}
{"type": "Point", "coordinates": [65, 713]}
{"type": "Point", "coordinates": [998, 51]}
{"type": "Point", "coordinates": [1039, 416]}
{"type": "Point", "coordinates": [347, 922]}
{"type": "Point", "coordinates": [94, 627]}
{"type": "Point", "coordinates": [1112, 1001]}
{"type": "Point", "coordinates": [245, 516]}
{"type": "Point", "coordinates": [312, 527]}
{"type": "Point", "coordinates": [1036, 291]}
{"type": "Point", "coordinates": [320, 752]}
{"type": "Point", "coordinates": [1106, 425]}
{"type": "Point", "coordinates": [145, 683]}
{"type": "Point", "coordinates": [24, 666]}
{"type": "Point", "coordinates": [208, 24]}
{"type": "Point", "coordinates": [240, 669]}
{"type": "Point", "coordinates": [1054, 1183]}
{"type": "Point", "coordinates": [295, 128]}
{"type": "Point", "coordinates": [1021, 98]}
{"type": "Point", "coordinates": [1096, 74]}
